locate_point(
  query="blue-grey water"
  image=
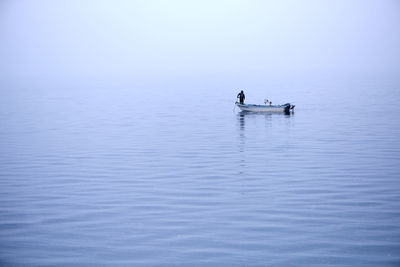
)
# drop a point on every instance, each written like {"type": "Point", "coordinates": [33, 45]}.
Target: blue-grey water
{"type": "Point", "coordinates": [167, 172]}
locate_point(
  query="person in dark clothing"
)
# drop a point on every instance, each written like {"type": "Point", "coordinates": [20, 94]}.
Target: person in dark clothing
{"type": "Point", "coordinates": [241, 97]}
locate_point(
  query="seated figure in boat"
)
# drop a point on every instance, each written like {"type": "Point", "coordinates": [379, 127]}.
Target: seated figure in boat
{"type": "Point", "coordinates": [241, 97]}
{"type": "Point", "coordinates": [266, 101]}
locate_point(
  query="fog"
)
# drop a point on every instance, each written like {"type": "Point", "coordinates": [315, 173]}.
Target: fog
{"type": "Point", "coordinates": [115, 39]}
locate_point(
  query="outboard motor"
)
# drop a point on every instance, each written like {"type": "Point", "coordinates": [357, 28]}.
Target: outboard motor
{"type": "Point", "coordinates": [287, 107]}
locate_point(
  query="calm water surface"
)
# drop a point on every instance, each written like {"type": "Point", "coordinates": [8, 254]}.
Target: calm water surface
{"type": "Point", "coordinates": [169, 174]}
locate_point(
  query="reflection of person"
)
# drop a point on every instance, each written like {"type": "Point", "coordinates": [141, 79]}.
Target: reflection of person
{"type": "Point", "coordinates": [241, 97]}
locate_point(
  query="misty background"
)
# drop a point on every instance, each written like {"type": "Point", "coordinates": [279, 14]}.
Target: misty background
{"type": "Point", "coordinates": [110, 41]}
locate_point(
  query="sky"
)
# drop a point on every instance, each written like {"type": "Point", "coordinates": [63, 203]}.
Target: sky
{"type": "Point", "coordinates": [84, 38]}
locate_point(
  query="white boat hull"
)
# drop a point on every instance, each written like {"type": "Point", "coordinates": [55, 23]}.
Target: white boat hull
{"type": "Point", "coordinates": [265, 108]}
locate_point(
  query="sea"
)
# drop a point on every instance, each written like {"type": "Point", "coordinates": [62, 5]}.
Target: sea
{"type": "Point", "coordinates": [165, 171]}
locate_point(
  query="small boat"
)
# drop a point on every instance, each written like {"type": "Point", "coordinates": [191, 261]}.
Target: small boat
{"type": "Point", "coordinates": [265, 108]}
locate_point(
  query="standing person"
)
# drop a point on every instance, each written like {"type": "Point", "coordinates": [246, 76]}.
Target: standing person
{"type": "Point", "coordinates": [241, 97]}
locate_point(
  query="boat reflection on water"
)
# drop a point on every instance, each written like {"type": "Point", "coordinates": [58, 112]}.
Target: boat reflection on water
{"type": "Point", "coordinates": [242, 116]}
{"type": "Point", "coordinates": [267, 115]}
{"type": "Point", "coordinates": [262, 127]}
